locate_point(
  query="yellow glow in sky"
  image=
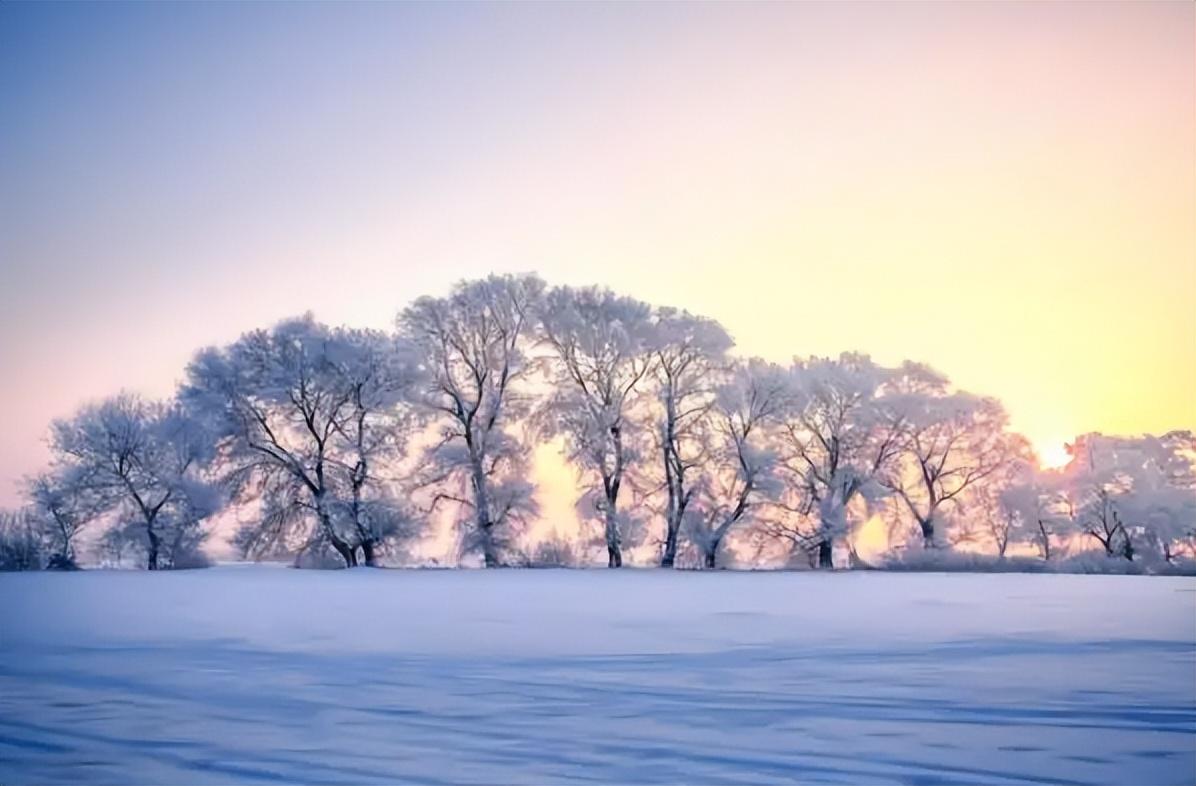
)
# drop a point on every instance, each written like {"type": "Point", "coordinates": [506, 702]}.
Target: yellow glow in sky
{"type": "Point", "coordinates": [1005, 191]}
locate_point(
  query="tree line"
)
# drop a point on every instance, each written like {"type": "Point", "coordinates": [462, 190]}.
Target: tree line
{"type": "Point", "coordinates": [348, 443]}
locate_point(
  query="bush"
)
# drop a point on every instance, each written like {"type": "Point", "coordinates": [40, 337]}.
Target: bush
{"type": "Point", "coordinates": [61, 562]}
{"type": "Point", "coordinates": [554, 552]}
{"type": "Point", "coordinates": [1097, 562]}
{"type": "Point", "coordinates": [947, 561]}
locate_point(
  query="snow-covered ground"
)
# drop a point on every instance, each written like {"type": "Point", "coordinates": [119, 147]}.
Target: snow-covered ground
{"type": "Point", "coordinates": [263, 674]}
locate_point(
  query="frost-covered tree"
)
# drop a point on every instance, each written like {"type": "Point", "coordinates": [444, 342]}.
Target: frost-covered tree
{"type": "Point", "coordinates": [602, 348]}
{"type": "Point", "coordinates": [1019, 504]}
{"type": "Point", "coordinates": [143, 463]}
{"type": "Point", "coordinates": [21, 546]}
{"type": "Point", "coordinates": [1008, 507]}
{"type": "Point", "coordinates": [380, 373]}
{"type": "Point", "coordinates": [740, 470]}
{"type": "Point", "coordinates": [1125, 493]}
{"type": "Point", "coordinates": [839, 439]}
{"type": "Point", "coordinates": [690, 356]}
{"type": "Point", "coordinates": [474, 345]}
{"type": "Point", "coordinates": [63, 503]}
{"type": "Point", "coordinates": [950, 443]}
{"type": "Point", "coordinates": [303, 413]}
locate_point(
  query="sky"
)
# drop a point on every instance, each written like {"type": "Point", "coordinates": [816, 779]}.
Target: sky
{"type": "Point", "coordinates": [1005, 191]}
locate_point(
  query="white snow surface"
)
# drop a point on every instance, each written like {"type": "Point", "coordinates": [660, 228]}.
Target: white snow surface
{"type": "Point", "coordinates": [261, 674]}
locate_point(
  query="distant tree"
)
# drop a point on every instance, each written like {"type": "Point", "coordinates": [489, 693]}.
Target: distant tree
{"type": "Point", "coordinates": [474, 345]}
{"type": "Point", "coordinates": [949, 443]}
{"type": "Point", "coordinates": [302, 412]}
{"type": "Point", "coordinates": [839, 440]}
{"type": "Point", "coordinates": [740, 470]}
{"type": "Point", "coordinates": [63, 503]}
{"type": "Point", "coordinates": [20, 541]}
{"type": "Point", "coordinates": [1018, 506]}
{"type": "Point", "coordinates": [602, 350]}
{"type": "Point", "coordinates": [1120, 490]}
{"type": "Point", "coordinates": [142, 463]}
{"type": "Point", "coordinates": [690, 353]}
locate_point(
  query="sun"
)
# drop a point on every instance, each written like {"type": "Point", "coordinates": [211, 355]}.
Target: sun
{"type": "Point", "coordinates": [1052, 454]}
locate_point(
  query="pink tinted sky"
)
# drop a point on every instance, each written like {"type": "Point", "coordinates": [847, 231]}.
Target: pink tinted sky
{"type": "Point", "coordinates": [1006, 191]}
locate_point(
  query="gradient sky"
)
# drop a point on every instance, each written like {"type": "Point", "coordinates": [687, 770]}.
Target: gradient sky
{"type": "Point", "coordinates": [1005, 191]}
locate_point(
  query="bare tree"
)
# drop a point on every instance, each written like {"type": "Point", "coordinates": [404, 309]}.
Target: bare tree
{"type": "Point", "coordinates": [741, 470]}
{"type": "Point", "coordinates": [142, 461]}
{"type": "Point", "coordinates": [603, 348]}
{"type": "Point", "coordinates": [474, 346]}
{"type": "Point", "coordinates": [690, 356]}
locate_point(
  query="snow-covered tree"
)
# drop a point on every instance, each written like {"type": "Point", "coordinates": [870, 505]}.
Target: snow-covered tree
{"type": "Point", "coordinates": [1021, 504]}
{"type": "Point", "coordinates": [602, 350]}
{"type": "Point", "coordinates": [21, 546]}
{"type": "Point", "coordinates": [740, 467]}
{"type": "Point", "coordinates": [839, 440]}
{"type": "Point", "coordinates": [1008, 507]}
{"type": "Point", "coordinates": [474, 345]}
{"type": "Point", "coordinates": [690, 356]}
{"type": "Point", "coordinates": [63, 503]}
{"type": "Point", "coordinates": [380, 374]}
{"type": "Point", "coordinates": [1127, 492]}
{"type": "Point", "coordinates": [950, 443]}
{"type": "Point", "coordinates": [143, 463]}
{"type": "Point", "coordinates": [302, 412]}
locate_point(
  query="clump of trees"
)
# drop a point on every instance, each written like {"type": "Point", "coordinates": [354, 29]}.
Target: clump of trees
{"type": "Point", "coordinates": [345, 445]}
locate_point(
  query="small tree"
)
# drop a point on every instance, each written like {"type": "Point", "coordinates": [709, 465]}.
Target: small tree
{"type": "Point", "coordinates": [1019, 504]}
{"type": "Point", "coordinates": [63, 503]}
{"type": "Point", "coordinates": [142, 463]}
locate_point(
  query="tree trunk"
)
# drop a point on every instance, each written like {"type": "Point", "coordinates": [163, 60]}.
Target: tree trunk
{"type": "Point", "coordinates": [710, 556]}
{"type": "Point", "coordinates": [927, 533]}
{"type": "Point", "coordinates": [154, 543]}
{"type": "Point", "coordinates": [489, 555]}
{"type": "Point", "coordinates": [614, 552]}
{"type": "Point", "coordinates": [1046, 541]}
{"type": "Point", "coordinates": [368, 552]}
{"type": "Point", "coordinates": [348, 554]}
{"type": "Point", "coordinates": [670, 547]}
{"type": "Point", "coordinates": [481, 506]}
{"type": "Point", "coordinates": [825, 554]}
